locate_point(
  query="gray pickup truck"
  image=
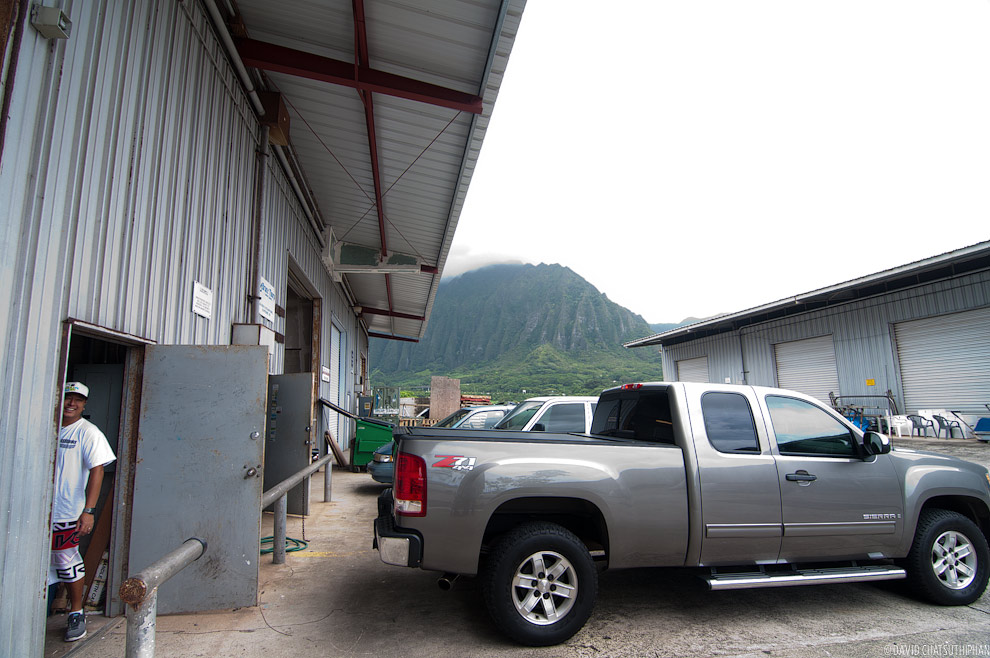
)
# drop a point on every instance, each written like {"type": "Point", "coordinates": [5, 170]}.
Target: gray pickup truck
{"type": "Point", "coordinates": [753, 487]}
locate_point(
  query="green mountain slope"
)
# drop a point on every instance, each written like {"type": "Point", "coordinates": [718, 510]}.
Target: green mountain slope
{"type": "Point", "coordinates": [515, 331]}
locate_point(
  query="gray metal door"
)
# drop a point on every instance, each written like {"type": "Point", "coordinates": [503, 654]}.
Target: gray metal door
{"type": "Point", "coordinates": [288, 440]}
{"type": "Point", "coordinates": [200, 434]}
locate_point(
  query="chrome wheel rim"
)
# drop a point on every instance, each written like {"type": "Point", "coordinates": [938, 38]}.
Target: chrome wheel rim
{"type": "Point", "coordinates": [954, 560]}
{"type": "Point", "coordinates": [544, 588]}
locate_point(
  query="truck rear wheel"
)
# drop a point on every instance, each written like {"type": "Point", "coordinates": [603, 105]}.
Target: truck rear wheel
{"type": "Point", "coordinates": [540, 584]}
{"type": "Point", "coordinates": [949, 562]}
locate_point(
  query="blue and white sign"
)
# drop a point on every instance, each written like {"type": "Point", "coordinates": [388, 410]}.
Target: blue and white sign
{"type": "Point", "coordinates": [266, 305]}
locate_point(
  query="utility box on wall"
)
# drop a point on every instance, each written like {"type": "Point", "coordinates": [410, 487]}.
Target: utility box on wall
{"type": "Point", "coordinates": [253, 334]}
{"type": "Point", "coordinates": [276, 117]}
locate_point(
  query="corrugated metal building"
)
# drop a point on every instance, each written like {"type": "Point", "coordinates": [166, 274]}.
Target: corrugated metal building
{"type": "Point", "coordinates": [210, 174]}
{"type": "Point", "coordinates": [920, 331]}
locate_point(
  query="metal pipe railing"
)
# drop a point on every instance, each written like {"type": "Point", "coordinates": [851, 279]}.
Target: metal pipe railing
{"type": "Point", "coordinates": [140, 592]}
{"type": "Point", "coordinates": [277, 495]}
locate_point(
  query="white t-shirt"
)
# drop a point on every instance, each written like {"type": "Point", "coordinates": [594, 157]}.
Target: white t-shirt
{"type": "Point", "coordinates": [81, 446]}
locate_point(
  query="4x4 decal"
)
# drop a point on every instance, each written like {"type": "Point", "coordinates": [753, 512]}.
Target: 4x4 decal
{"type": "Point", "coordinates": [456, 462]}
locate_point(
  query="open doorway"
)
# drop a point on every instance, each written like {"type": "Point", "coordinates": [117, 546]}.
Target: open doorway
{"type": "Point", "coordinates": [291, 428]}
{"type": "Point", "coordinates": [103, 364]}
{"type": "Point", "coordinates": [298, 331]}
{"type": "Point", "coordinates": [100, 365]}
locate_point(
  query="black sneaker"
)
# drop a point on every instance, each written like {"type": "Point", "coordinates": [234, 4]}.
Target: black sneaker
{"type": "Point", "coordinates": [76, 628]}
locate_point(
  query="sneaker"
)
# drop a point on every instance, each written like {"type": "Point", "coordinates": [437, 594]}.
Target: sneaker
{"type": "Point", "coordinates": [76, 628]}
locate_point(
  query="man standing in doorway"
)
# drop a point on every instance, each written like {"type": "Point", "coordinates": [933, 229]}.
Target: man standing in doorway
{"type": "Point", "coordinates": [82, 453]}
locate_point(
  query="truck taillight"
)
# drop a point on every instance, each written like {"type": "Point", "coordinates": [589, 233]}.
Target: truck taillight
{"type": "Point", "coordinates": [410, 485]}
{"type": "Point", "coordinates": [631, 387]}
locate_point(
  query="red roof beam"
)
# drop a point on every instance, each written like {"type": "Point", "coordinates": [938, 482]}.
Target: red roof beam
{"type": "Point", "coordinates": [372, 334]}
{"type": "Point", "coordinates": [392, 314]}
{"type": "Point", "coordinates": [271, 57]}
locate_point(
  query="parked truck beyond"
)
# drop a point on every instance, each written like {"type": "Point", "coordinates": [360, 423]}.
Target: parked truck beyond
{"type": "Point", "coordinates": [750, 486]}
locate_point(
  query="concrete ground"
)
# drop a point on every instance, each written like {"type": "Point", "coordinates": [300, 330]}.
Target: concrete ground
{"type": "Point", "coordinates": [338, 599]}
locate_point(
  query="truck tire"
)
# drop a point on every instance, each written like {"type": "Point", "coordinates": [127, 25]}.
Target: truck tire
{"type": "Point", "coordinates": [949, 562]}
{"type": "Point", "coordinates": [540, 584]}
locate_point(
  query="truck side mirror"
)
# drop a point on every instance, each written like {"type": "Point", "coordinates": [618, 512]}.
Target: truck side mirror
{"type": "Point", "coordinates": [539, 427]}
{"type": "Point", "coordinates": [876, 444]}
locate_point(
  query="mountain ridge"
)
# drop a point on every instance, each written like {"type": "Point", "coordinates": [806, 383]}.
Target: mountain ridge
{"type": "Point", "coordinates": [505, 329]}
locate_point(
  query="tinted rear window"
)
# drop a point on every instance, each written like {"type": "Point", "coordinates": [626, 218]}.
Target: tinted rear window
{"type": "Point", "coordinates": [729, 423]}
{"type": "Point", "coordinates": [642, 416]}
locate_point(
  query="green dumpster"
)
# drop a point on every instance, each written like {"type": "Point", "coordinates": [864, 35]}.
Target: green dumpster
{"type": "Point", "coordinates": [369, 436]}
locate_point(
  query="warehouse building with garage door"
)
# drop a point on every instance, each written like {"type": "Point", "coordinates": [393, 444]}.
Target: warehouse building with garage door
{"type": "Point", "coordinates": [918, 334]}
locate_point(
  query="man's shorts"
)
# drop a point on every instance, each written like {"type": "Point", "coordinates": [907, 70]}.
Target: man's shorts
{"type": "Point", "coordinates": [67, 564]}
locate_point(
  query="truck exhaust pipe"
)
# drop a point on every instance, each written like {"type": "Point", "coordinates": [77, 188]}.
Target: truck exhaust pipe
{"type": "Point", "coordinates": [446, 581]}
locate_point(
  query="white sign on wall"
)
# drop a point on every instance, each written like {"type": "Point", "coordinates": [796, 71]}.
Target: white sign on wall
{"type": "Point", "coordinates": [325, 375]}
{"type": "Point", "coordinates": [202, 300]}
{"type": "Point", "coordinates": [266, 305]}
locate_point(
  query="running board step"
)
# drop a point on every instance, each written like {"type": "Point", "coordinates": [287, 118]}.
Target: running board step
{"type": "Point", "coordinates": [757, 579]}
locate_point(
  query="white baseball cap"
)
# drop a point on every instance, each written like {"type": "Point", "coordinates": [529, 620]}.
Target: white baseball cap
{"type": "Point", "coordinates": [78, 388]}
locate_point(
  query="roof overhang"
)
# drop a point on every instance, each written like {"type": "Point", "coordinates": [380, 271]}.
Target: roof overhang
{"type": "Point", "coordinates": [388, 104]}
{"type": "Point", "coordinates": [938, 268]}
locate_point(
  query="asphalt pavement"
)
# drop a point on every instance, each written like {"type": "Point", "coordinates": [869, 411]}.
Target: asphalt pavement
{"type": "Point", "coordinates": [338, 599]}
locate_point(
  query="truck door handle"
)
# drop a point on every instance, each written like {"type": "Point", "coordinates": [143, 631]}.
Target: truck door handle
{"type": "Point", "coordinates": [801, 476]}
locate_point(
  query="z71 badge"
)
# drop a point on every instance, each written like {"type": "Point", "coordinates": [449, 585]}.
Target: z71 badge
{"type": "Point", "coordinates": [456, 462]}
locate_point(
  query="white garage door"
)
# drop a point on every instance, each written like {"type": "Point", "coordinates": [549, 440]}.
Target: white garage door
{"type": "Point", "coordinates": [808, 366]}
{"type": "Point", "coordinates": [693, 370]}
{"type": "Point", "coordinates": [945, 361]}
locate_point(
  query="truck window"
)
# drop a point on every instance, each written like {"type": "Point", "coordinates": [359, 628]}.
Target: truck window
{"type": "Point", "coordinates": [804, 429]}
{"type": "Point", "coordinates": [480, 420]}
{"type": "Point", "coordinates": [564, 418]}
{"type": "Point", "coordinates": [518, 417]}
{"type": "Point", "coordinates": [729, 423]}
{"type": "Point", "coordinates": [452, 419]}
{"type": "Point", "coordinates": [643, 416]}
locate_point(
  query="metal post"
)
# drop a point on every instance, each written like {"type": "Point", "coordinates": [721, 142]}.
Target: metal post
{"type": "Point", "coordinates": [141, 619]}
{"type": "Point", "coordinates": [276, 496]}
{"type": "Point", "coordinates": [278, 554]}
{"type": "Point", "coordinates": [140, 592]}
{"type": "Point", "coordinates": [327, 473]}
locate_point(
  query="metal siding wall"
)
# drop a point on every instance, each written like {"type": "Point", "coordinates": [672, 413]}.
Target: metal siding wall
{"type": "Point", "coordinates": [722, 352]}
{"type": "Point", "coordinates": [33, 240]}
{"type": "Point", "coordinates": [161, 179]}
{"type": "Point", "coordinates": [289, 234]}
{"type": "Point", "coordinates": [127, 173]}
{"type": "Point", "coordinates": [861, 330]}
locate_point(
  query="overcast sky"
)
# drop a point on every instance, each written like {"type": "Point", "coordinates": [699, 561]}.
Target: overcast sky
{"type": "Point", "coordinates": [697, 157]}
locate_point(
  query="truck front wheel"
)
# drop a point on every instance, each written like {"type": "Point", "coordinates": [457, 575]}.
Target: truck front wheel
{"type": "Point", "coordinates": [949, 562]}
{"type": "Point", "coordinates": [540, 584]}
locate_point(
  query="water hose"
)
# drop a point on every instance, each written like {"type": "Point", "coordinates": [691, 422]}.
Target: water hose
{"type": "Point", "coordinates": [291, 545]}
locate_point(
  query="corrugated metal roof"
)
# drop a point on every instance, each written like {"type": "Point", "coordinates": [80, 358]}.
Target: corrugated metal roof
{"type": "Point", "coordinates": [425, 152]}
{"type": "Point", "coordinates": [943, 266]}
